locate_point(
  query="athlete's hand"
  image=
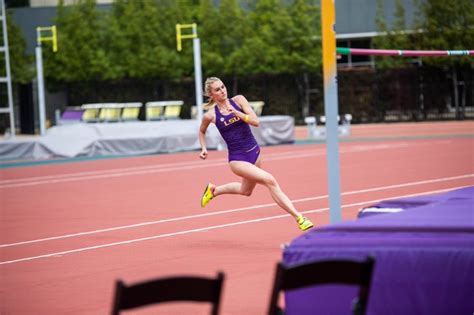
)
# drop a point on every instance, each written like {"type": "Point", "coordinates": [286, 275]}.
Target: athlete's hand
{"type": "Point", "coordinates": [231, 109]}
{"type": "Point", "coordinates": [203, 154]}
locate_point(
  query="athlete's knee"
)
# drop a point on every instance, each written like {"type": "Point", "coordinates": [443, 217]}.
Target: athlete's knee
{"type": "Point", "coordinates": [246, 192]}
{"type": "Point", "coordinates": [270, 181]}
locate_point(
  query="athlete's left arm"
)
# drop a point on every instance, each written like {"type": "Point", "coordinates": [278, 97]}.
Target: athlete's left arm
{"type": "Point", "coordinates": [248, 114]}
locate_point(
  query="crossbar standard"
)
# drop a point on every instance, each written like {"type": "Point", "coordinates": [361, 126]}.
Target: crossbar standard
{"type": "Point", "coordinates": [403, 53]}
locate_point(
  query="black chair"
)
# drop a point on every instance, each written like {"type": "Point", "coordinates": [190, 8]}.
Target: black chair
{"type": "Point", "coordinates": [185, 288]}
{"type": "Point", "coordinates": [336, 271]}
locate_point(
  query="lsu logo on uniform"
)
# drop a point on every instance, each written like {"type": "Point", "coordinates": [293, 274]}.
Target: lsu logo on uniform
{"type": "Point", "coordinates": [231, 121]}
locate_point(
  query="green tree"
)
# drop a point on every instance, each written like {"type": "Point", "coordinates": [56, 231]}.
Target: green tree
{"type": "Point", "coordinates": [233, 21]}
{"type": "Point", "coordinates": [222, 30]}
{"type": "Point", "coordinates": [183, 12]}
{"type": "Point", "coordinates": [211, 34]}
{"type": "Point", "coordinates": [394, 37]}
{"type": "Point", "coordinates": [302, 45]}
{"type": "Point", "coordinates": [140, 41]}
{"type": "Point", "coordinates": [222, 35]}
{"type": "Point", "coordinates": [20, 62]}
{"type": "Point", "coordinates": [449, 25]}
{"type": "Point", "coordinates": [262, 51]}
{"type": "Point", "coordinates": [303, 49]}
{"type": "Point", "coordinates": [81, 54]}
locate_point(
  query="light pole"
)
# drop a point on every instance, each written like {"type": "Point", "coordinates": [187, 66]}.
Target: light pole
{"type": "Point", "coordinates": [39, 69]}
{"type": "Point", "coordinates": [197, 61]}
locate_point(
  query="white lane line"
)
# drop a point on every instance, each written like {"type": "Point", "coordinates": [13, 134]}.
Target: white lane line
{"type": "Point", "coordinates": [231, 210]}
{"type": "Point", "coordinates": [214, 227]}
{"type": "Point", "coordinates": [180, 166]}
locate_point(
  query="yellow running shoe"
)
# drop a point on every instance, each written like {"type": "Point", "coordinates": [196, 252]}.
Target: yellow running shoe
{"type": "Point", "coordinates": [304, 223]}
{"type": "Point", "coordinates": [208, 194]}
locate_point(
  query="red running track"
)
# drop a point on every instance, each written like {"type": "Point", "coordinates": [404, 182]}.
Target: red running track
{"type": "Point", "coordinates": [70, 230]}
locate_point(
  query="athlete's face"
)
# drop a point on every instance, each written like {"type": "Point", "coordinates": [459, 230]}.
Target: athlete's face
{"type": "Point", "coordinates": [218, 91]}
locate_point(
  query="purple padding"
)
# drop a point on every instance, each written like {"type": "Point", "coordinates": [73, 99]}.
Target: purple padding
{"type": "Point", "coordinates": [72, 114]}
{"type": "Point", "coordinates": [419, 201]}
{"type": "Point", "coordinates": [424, 260]}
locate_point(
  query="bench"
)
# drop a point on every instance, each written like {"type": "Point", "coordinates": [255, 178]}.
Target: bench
{"type": "Point", "coordinates": [160, 110]}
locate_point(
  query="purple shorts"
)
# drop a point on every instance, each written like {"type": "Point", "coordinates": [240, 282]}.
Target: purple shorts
{"type": "Point", "coordinates": [250, 156]}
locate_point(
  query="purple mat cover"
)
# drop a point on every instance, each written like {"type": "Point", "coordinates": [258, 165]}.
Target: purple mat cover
{"type": "Point", "coordinates": [424, 258]}
{"type": "Point", "coordinates": [402, 204]}
{"type": "Point", "coordinates": [72, 114]}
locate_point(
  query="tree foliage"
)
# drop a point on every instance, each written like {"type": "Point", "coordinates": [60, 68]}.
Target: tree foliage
{"type": "Point", "coordinates": [136, 39]}
{"type": "Point", "coordinates": [281, 39]}
{"type": "Point", "coordinates": [81, 54]}
{"type": "Point", "coordinates": [441, 25]}
{"type": "Point", "coordinates": [20, 62]}
{"type": "Point", "coordinates": [222, 34]}
{"type": "Point", "coordinates": [138, 42]}
{"type": "Point", "coordinates": [438, 25]}
{"type": "Point", "coordinates": [304, 48]}
{"type": "Point", "coordinates": [396, 36]}
{"type": "Point", "coordinates": [447, 25]}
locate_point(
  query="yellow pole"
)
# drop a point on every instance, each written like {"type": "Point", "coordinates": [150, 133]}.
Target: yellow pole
{"type": "Point", "coordinates": [328, 24]}
{"type": "Point", "coordinates": [179, 36]}
{"type": "Point", "coordinates": [53, 38]}
{"type": "Point", "coordinates": [197, 61]}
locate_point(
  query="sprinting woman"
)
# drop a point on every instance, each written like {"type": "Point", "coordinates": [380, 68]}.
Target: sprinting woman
{"type": "Point", "coordinates": [232, 117]}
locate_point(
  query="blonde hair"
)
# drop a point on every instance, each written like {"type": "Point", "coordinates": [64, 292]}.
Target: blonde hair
{"type": "Point", "coordinates": [207, 92]}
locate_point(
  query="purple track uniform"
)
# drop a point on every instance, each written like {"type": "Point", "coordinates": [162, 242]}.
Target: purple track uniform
{"type": "Point", "coordinates": [241, 143]}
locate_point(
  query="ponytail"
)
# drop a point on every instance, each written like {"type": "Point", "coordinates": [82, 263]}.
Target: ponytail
{"type": "Point", "coordinates": [207, 91]}
{"type": "Point", "coordinates": [209, 104]}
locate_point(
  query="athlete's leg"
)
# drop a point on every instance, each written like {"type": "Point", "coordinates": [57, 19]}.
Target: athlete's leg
{"type": "Point", "coordinates": [255, 174]}
{"type": "Point", "coordinates": [245, 188]}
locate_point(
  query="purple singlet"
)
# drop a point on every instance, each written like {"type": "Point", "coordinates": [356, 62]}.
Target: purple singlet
{"type": "Point", "coordinates": [236, 133]}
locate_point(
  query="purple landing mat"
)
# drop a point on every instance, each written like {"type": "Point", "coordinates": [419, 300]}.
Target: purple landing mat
{"type": "Point", "coordinates": [402, 204]}
{"type": "Point", "coordinates": [424, 259]}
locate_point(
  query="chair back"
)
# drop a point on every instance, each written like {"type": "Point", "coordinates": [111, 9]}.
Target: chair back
{"type": "Point", "coordinates": [90, 115]}
{"type": "Point", "coordinates": [336, 271]}
{"type": "Point", "coordinates": [130, 111]}
{"type": "Point", "coordinates": [172, 111]}
{"type": "Point", "coordinates": [158, 110]}
{"type": "Point", "coordinates": [182, 288]}
{"type": "Point", "coordinates": [109, 113]}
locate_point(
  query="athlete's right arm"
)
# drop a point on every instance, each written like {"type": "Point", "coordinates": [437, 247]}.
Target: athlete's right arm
{"type": "Point", "coordinates": [206, 120]}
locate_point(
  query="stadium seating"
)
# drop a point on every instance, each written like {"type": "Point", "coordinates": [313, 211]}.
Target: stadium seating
{"type": "Point", "coordinates": [160, 110]}
{"type": "Point", "coordinates": [91, 112]}
{"type": "Point", "coordinates": [131, 111]}
{"type": "Point", "coordinates": [110, 112]}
